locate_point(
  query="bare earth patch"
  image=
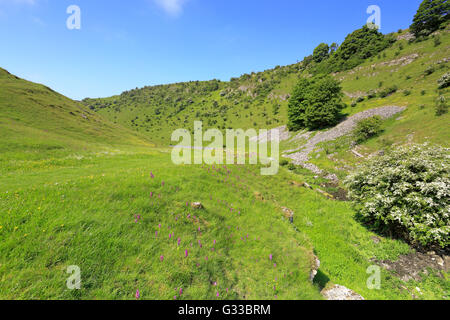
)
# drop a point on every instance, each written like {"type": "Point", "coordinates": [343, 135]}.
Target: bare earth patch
{"type": "Point", "coordinates": [411, 266]}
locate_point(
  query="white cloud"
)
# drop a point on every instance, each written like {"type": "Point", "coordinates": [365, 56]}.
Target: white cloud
{"type": "Point", "coordinates": [171, 7]}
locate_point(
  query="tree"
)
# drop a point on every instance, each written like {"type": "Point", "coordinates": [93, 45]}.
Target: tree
{"type": "Point", "coordinates": [358, 46]}
{"type": "Point", "coordinates": [315, 103]}
{"type": "Point", "coordinates": [334, 46]}
{"type": "Point", "coordinates": [430, 16]}
{"type": "Point", "coordinates": [321, 53]}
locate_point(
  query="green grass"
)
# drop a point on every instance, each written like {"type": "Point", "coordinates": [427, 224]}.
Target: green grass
{"type": "Point", "coordinates": [82, 211]}
{"type": "Point", "coordinates": [74, 177]}
{"type": "Point", "coordinates": [84, 215]}
{"type": "Point", "coordinates": [41, 123]}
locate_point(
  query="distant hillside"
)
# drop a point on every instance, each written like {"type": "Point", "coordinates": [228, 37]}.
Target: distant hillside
{"type": "Point", "coordinates": [35, 119]}
{"type": "Point", "coordinates": [259, 100]}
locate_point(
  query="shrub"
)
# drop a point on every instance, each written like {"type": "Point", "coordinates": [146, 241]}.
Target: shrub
{"type": "Point", "coordinates": [360, 99]}
{"type": "Point", "coordinates": [388, 91]}
{"type": "Point", "coordinates": [372, 94]}
{"type": "Point", "coordinates": [441, 106]}
{"type": "Point", "coordinates": [284, 163]}
{"type": "Point", "coordinates": [406, 93]}
{"type": "Point", "coordinates": [429, 71]}
{"type": "Point", "coordinates": [406, 192]}
{"type": "Point", "coordinates": [444, 81]}
{"type": "Point", "coordinates": [367, 128]}
{"type": "Point", "coordinates": [437, 41]}
{"type": "Point", "coordinates": [291, 166]}
{"type": "Point", "coordinates": [315, 103]}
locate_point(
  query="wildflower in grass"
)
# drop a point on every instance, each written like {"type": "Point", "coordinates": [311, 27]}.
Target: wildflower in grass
{"type": "Point", "coordinates": [214, 242]}
{"type": "Point", "coordinates": [138, 294]}
{"type": "Point", "coordinates": [151, 194]}
{"type": "Point", "coordinates": [270, 257]}
{"type": "Point", "coordinates": [162, 183]}
{"type": "Point", "coordinates": [181, 291]}
{"type": "Point", "coordinates": [161, 258]}
{"type": "Point", "coordinates": [217, 295]}
{"type": "Point", "coordinates": [156, 234]}
{"type": "Point", "coordinates": [159, 225]}
{"type": "Point", "coordinates": [174, 297]}
{"type": "Point", "coordinates": [179, 241]}
{"type": "Point", "coordinates": [186, 253]}
{"type": "Point", "coordinates": [151, 175]}
{"type": "Point", "coordinates": [170, 236]}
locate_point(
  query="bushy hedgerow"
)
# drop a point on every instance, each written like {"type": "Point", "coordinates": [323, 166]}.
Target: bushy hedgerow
{"type": "Point", "coordinates": [407, 193]}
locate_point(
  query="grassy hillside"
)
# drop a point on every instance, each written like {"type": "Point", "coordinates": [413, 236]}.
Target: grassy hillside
{"type": "Point", "coordinates": [259, 100]}
{"type": "Point", "coordinates": [83, 185]}
{"type": "Point", "coordinates": [36, 122]}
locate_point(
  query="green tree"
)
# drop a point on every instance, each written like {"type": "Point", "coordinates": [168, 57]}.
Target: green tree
{"type": "Point", "coordinates": [430, 16]}
{"type": "Point", "coordinates": [315, 103]}
{"type": "Point", "coordinates": [334, 46]}
{"type": "Point", "coordinates": [321, 52]}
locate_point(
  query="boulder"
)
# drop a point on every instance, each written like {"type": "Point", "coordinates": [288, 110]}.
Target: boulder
{"type": "Point", "coordinates": [196, 205]}
{"type": "Point", "coordinates": [315, 269]}
{"type": "Point", "coordinates": [338, 292]}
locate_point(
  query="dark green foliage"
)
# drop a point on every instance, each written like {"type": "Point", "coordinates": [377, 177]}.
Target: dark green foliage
{"type": "Point", "coordinates": [429, 71]}
{"type": "Point", "coordinates": [315, 103]}
{"type": "Point", "coordinates": [284, 162]}
{"type": "Point", "coordinates": [437, 41]}
{"type": "Point", "coordinates": [358, 46]}
{"type": "Point", "coordinates": [441, 106]}
{"type": "Point", "coordinates": [388, 91]}
{"type": "Point", "coordinates": [367, 128]}
{"type": "Point", "coordinates": [322, 52]}
{"type": "Point", "coordinates": [291, 166]}
{"type": "Point", "coordinates": [371, 94]}
{"type": "Point", "coordinates": [430, 16]}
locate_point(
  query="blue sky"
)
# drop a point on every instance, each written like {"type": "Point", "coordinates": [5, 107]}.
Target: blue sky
{"type": "Point", "coordinates": [126, 44]}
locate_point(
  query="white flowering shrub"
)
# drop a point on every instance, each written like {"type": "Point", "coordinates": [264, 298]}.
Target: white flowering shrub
{"type": "Point", "coordinates": [444, 82]}
{"type": "Point", "coordinates": [406, 192]}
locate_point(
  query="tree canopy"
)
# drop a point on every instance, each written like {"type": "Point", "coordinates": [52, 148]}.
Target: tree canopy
{"type": "Point", "coordinates": [321, 53]}
{"type": "Point", "coordinates": [430, 16]}
{"type": "Point", "coordinates": [315, 103]}
{"type": "Point", "coordinates": [357, 46]}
